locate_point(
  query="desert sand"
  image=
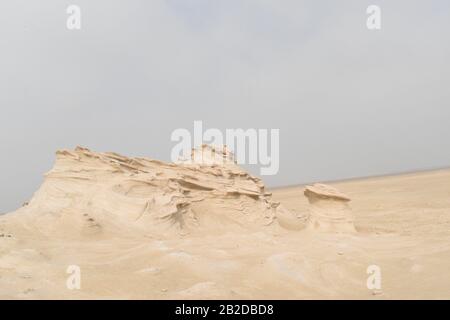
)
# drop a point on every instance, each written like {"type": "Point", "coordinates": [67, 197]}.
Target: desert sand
{"type": "Point", "coordinates": [144, 229]}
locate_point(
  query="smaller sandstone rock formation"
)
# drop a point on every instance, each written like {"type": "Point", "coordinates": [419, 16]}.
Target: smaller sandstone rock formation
{"type": "Point", "coordinates": [329, 211]}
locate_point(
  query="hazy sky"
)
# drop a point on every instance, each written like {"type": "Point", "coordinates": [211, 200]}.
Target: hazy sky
{"type": "Point", "coordinates": [348, 101]}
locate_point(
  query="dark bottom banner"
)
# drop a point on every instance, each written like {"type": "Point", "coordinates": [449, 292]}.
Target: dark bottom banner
{"type": "Point", "coordinates": [226, 309]}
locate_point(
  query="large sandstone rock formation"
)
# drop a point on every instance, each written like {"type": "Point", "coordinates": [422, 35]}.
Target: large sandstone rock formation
{"type": "Point", "coordinates": [98, 193]}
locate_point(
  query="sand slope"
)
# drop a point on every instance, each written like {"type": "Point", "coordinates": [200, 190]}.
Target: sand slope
{"type": "Point", "coordinates": [140, 228]}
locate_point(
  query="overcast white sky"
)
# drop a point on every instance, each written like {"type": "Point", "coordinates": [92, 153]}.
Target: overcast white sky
{"type": "Point", "coordinates": [349, 102]}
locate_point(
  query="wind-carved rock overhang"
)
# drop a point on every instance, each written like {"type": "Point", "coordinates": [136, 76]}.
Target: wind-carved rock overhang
{"type": "Point", "coordinates": [109, 191]}
{"type": "Point", "coordinates": [329, 209]}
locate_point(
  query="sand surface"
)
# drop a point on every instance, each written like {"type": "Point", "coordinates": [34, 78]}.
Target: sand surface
{"type": "Point", "coordinates": [228, 239]}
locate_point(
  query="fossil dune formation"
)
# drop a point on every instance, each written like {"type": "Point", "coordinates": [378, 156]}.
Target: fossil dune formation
{"type": "Point", "coordinates": [330, 211]}
{"type": "Point", "coordinates": [101, 194]}
{"type": "Point", "coordinates": [204, 228]}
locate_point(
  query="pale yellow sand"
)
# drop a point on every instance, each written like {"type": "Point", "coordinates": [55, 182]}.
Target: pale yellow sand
{"type": "Point", "coordinates": [402, 222]}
